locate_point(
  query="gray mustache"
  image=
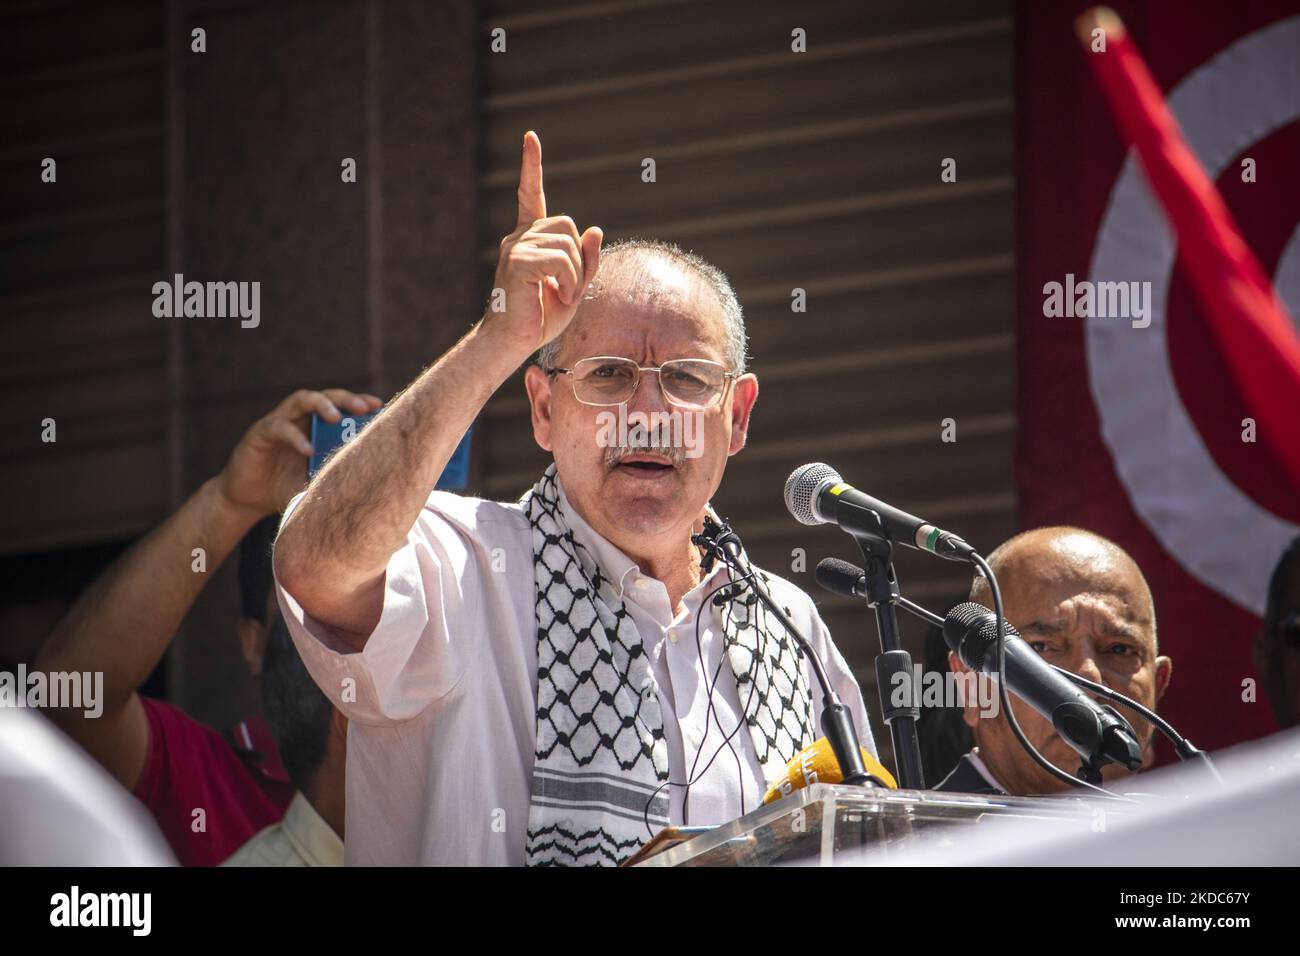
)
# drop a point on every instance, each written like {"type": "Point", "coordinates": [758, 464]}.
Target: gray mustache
{"type": "Point", "coordinates": [657, 440]}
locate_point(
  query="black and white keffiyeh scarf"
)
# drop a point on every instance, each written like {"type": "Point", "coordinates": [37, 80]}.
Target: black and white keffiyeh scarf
{"type": "Point", "coordinates": [601, 772]}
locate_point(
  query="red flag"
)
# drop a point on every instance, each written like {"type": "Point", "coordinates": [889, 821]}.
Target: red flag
{"type": "Point", "coordinates": [1132, 425]}
{"type": "Point", "coordinates": [1249, 324]}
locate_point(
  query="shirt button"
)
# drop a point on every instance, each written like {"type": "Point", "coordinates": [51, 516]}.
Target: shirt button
{"type": "Point", "coordinates": [640, 582]}
{"type": "Point", "coordinates": [672, 634]}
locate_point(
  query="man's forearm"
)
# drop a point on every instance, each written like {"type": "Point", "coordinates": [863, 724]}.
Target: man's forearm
{"type": "Point", "coordinates": [123, 624]}
{"type": "Point", "coordinates": [335, 546]}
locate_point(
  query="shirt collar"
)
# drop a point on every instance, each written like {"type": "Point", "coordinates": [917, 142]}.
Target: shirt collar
{"type": "Point", "coordinates": [978, 763]}
{"type": "Point", "coordinates": [310, 835]}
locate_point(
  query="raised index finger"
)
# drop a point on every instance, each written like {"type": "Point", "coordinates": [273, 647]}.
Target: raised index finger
{"type": "Point", "coordinates": [532, 201]}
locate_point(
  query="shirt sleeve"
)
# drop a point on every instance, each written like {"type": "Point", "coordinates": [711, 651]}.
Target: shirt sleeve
{"type": "Point", "coordinates": [412, 658]}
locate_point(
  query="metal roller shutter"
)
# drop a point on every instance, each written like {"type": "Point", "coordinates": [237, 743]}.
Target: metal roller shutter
{"type": "Point", "coordinates": [84, 84]}
{"type": "Point", "coordinates": [820, 171]}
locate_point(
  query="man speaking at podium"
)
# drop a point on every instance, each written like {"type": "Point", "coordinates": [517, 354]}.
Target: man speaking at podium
{"type": "Point", "coordinates": [551, 681]}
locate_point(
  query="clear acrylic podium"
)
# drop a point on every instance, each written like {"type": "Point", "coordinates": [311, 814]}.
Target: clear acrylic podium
{"type": "Point", "coordinates": [826, 824]}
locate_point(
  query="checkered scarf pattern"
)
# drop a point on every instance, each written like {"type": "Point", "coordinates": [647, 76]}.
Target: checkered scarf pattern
{"type": "Point", "coordinates": [599, 787]}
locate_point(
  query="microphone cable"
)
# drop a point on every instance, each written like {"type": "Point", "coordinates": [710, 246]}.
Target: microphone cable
{"type": "Point", "coordinates": [738, 580]}
{"type": "Point", "coordinates": [1183, 747]}
{"type": "Point", "coordinates": [726, 743]}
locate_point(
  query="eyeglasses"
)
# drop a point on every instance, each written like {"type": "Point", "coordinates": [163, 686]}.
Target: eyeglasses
{"type": "Point", "coordinates": [610, 380]}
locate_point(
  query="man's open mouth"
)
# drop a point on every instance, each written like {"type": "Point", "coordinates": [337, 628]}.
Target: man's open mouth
{"type": "Point", "coordinates": [646, 465]}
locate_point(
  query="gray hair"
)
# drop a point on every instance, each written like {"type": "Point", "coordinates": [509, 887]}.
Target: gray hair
{"type": "Point", "coordinates": [733, 316]}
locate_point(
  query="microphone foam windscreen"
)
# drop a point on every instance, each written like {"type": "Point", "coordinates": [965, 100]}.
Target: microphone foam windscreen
{"type": "Point", "coordinates": [971, 631]}
{"type": "Point", "coordinates": [838, 576]}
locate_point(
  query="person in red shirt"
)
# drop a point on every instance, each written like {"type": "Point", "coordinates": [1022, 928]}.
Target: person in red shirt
{"type": "Point", "coordinates": [208, 793]}
{"type": "Point", "coordinates": [190, 767]}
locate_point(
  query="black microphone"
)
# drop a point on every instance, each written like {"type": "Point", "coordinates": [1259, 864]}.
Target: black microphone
{"type": "Point", "coordinates": [816, 494]}
{"type": "Point", "coordinates": [1092, 729]}
{"type": "Point", "coordinates": [841, 577]}
{"type": "Point", "coordinates": [849, 580]}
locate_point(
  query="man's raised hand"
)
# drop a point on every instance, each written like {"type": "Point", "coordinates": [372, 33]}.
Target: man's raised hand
{"type": "Point", "coordinates": [545, 266]}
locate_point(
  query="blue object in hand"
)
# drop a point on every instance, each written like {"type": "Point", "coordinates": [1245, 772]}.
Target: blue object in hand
{"type": "Point", "coordinates": [326, 437]}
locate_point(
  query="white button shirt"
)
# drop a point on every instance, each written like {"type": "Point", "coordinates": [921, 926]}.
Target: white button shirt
{"type": "Point", "coordinates": [442, 700]}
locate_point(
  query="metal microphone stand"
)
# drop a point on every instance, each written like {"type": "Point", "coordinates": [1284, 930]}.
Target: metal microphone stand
{"type": "Point", "coordinates": [894, 665]}
{"type": "Point", "coordinates": [720, 542]}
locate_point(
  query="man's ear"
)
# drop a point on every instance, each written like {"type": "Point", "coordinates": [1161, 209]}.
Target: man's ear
{"type": "Point", "coordinates": [744, 392]}
{"type": "Point", "coordinates": [538, 385]}
{"type": "Point", "coordinates": [1164, 674]}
